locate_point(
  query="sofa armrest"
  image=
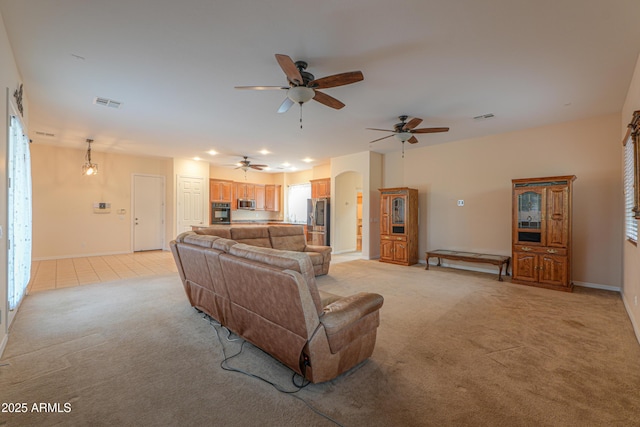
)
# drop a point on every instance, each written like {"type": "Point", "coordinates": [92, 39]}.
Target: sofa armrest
{"type": "Point", "coordinates": [324, 250]}
{"type": "Point", "coordinates": [348, 310]}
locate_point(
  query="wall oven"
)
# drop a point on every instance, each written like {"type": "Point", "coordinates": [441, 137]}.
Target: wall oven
{"type": "Point", "coordinates": [220, 213]}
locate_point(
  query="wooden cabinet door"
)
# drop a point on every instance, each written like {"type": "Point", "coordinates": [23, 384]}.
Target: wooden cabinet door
{"type": "Point", "coordinates": [554, 270]}
{"type": "Point", "coordinates": [259, 192]}
{"type": "Point", "coordinates": [213, 190]}
{"type": "Point", "coordinates": [276, 198]}
{"type": "Point", "coordinates": [557, 202]}
{"type": "Point", "coordinates": [400, 252]}
{"type": "Point", "coordinates": [385, 219]}
{"type": "Point", "coordinates": [324, 188]}
{"type": "Point", "coordinates": [525, 266]}
{"type": "Point", "coordinates": [386, 250]}
{"type": "Point", "coordinates": [225, 191]}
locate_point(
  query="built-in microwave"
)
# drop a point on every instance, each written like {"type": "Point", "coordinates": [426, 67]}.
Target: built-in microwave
{"type": "Point", "coordinates": [249, 204]}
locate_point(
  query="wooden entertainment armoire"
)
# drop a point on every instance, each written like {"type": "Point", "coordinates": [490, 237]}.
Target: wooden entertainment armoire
{"type": "Point", "coordinates": [541, 232]}
{"type": "Point", "coordinates": [399, 225]}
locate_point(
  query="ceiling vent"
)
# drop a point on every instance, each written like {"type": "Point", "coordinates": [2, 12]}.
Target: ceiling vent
{"type": "Point", "coordinates": [106, 102]}
{"type": "Point", "coordinates": [50, 135]}
{"type": "Point", "coordinates": [484, 117]}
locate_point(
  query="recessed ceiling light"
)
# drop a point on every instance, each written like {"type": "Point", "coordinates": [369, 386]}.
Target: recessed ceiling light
{"type": "Point", "coordinates": [265, 152]}
{"type": "Point", "coordinates": [197, 159]}
{"type": "Point", "coordinates": [307, 160]}
{"type": "Point", "coordinates": [286, 164]}
{"type": "Point", "coordinates": [266, 168]}
{"type": "Point", "coordinates": [293, 168]}
{"type": "Point", "coordinates": [212, 152]}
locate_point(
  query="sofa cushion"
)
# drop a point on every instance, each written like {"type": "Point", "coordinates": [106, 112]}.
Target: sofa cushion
{"type": "Point", "coordinates": [220, 231]}
{"type": "Point", "coordinates": [288, 238]}
{"type": "Point", "coordinates": [200, 240]}
{"type": "Point", "coordinates": [288, 260]}
{"type": "Point", "coordinates": [254, 236]}
{"type": "Point", "coordinates": [223, 244]}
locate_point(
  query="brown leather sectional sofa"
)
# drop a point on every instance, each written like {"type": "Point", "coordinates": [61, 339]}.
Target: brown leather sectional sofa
{"type": "Point", "coordinates": [269, 297]}
{"type": "Point", "coordinates": [284, 237]}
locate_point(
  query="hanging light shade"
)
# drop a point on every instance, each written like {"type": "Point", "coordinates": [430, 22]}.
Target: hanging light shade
{"type": "Point", "coordinates": [89, 168]}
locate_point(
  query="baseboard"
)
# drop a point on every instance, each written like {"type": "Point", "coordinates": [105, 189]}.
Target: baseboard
{"type": "Point", "coordinates": [495, 271]}
{"type": "Point", "coordinates": [597, 286]}
{"type": "Point", "coordinates": [462, 267]}
{"type": "Point", "coordinates": [344, 251]}
{"type": "Point", "coordinates": [82, 255]}
{"type": "Point", "coordinates": [634, 324]}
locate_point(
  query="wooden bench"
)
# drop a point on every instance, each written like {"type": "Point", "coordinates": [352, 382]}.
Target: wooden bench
{"type": "Point", "coordinates": [498, 260]}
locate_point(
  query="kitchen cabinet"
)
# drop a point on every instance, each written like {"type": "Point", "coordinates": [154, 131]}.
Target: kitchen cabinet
{"type": "Point", "coordinates": [220, 190]}
{"type": "Point", "coordinates": [399, 225]}
{"type": "Point", "coordinates": [541, 232]}
{"type": "Point", "coordinates": [259, 195]}
{"type": "Point", "coordinates": [272, 198]}
{"type": "Point", "coordinates": [320, 188]}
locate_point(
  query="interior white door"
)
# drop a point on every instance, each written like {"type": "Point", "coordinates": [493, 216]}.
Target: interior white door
{"type": "Point", "coordinates": [148, 212]}
{"type": "Point", "coordinates": [190, 203]}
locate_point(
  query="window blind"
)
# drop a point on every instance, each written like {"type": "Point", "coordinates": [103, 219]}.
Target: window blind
{"type": "Point", "coordinates": [631, 224]}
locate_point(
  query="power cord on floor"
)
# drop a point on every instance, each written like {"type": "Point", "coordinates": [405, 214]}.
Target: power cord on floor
{"type": "Point", "coordinates": [224, 365]}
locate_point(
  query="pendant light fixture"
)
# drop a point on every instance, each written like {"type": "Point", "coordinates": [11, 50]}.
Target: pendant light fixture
{"type": "Point", "coordinates": [89, 168]}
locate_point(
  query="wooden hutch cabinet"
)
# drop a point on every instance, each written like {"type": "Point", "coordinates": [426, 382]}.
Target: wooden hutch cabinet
{"type": "Point", "coordinates": [541, 232]}
{"type": "Point", "coordinates": [399, 225]}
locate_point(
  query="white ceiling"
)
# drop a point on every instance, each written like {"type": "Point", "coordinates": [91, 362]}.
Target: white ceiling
{"type": "Point", "coordinates": [174, 64]}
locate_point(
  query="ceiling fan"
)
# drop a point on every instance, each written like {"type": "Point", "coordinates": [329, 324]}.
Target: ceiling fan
{"type": "Point", "coordinates": [404, 131]}
{"type": "Point", "coordinates": [303, 86]}
{"type": "Point", "coordinates": [245, 165]}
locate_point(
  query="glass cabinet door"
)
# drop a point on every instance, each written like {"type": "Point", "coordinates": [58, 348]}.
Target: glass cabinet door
{"type": "Point", "coordinates": [398, 207]}
{"type": "Point", "coordinates": [397, 210]}
{"type": "Point", "coordinates": [529, 216]}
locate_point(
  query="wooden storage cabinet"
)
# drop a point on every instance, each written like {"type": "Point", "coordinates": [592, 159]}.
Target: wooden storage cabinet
{"type": "Point", "coordinates": [541, 232]}
{"type": "Point", "coordinates": [399, 225]}
{"type": "Point", "coordinates": [220, 190]}
{"type": "Point", "coordinates": [320, 188]}
{"type": "Point", "coordinates": [272, 198]}
{"type": "Point", "coordinates": [259, 192]}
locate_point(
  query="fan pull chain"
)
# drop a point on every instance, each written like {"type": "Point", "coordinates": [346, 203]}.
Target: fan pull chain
{"type": "Point", "coordinates": [403, 149]}
{"type": "Point", "coordinates": [301, 115]}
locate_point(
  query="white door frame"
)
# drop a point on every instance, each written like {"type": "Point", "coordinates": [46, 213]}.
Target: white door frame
{"type": "Point", "coordinates": [164, 204]}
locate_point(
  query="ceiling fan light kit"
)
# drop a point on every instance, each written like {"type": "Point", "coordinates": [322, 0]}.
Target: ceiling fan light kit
{"type": "Point", "coordinates": [303, 86]}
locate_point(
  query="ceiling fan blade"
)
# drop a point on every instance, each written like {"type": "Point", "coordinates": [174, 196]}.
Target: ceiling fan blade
{"type": "Point", "coordinates": [286, 104]}
{"type": "Point", "coordinates": [289, 68]}
{"type": "Point", "coordinates": [337, 80]}
{"type": "Point", "coordinates": [412, 123]}
{"type": "Point", "coordinates": [412, 140]}
{"type": "Point", "coordinates": [256, 167]}
{"type": "Point", "coordinates": [327, 100]}
{"type": "Point", "coordinates": [383, 130]}
{"type": "Point", "coordinates": [429, 130]}
{"type": "Point", "coordinates": [261, 87]}
{"type": "Point", "coordinates": [380, 139]}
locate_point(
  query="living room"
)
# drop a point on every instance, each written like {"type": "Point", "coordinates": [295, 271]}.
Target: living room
{"type": "Point", "coordinates": [475, 168]}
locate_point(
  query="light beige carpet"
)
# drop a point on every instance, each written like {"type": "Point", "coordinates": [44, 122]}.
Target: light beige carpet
{"type": "Point", "coordinates": [454, 348]}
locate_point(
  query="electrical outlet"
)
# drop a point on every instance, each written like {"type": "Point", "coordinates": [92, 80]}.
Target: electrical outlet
{"type": "Point", "coordinates": [460, 202]}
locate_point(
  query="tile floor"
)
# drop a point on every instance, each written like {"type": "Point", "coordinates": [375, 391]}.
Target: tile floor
{"type": "Point", "coordinates": [68, 272]}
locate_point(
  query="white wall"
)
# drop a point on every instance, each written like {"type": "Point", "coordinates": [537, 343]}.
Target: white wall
{"type": "Point", "coordinates": [369, 165]}
{"type": "Point", "coordinates": [345, 221]}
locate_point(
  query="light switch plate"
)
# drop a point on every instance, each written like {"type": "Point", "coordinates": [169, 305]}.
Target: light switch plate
{"type": "Point", "coordinates": [460, 202]}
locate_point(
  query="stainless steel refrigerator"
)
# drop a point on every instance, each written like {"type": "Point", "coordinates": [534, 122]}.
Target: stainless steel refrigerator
{"type": "Point", "coordinates": [318, 222]}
